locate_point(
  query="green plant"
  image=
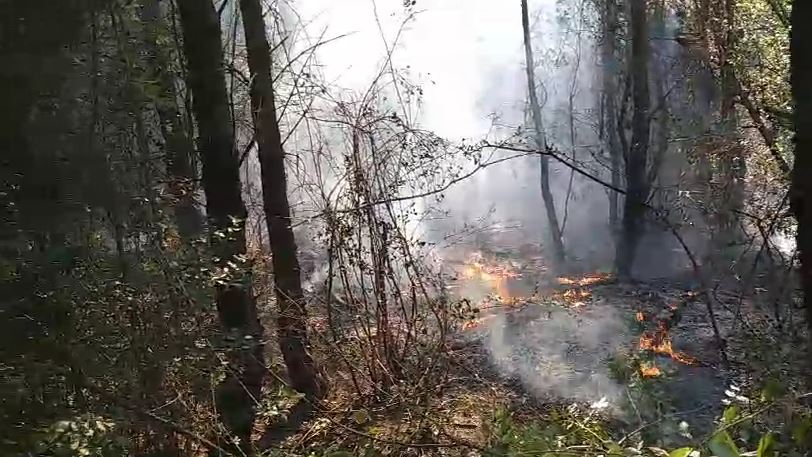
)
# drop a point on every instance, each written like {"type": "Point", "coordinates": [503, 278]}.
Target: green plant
{"type": "Point", "coordinates": [768, 426]}
{"type": "Point", "coordinates": [86, 435]}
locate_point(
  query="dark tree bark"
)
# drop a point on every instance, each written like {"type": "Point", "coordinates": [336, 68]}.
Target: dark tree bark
{"type": "Point", "coordinates": [288, 286]}
{"type": "Point", "coordinates": [636, 183]}
{"type": "Point", "coordinates": [177, 141]}
{"type": "Point", "coordinates": [541, 144]}
{"type": "Point", "coordinates": [33, 37]}
{"type": "Point", "coordinates": [801, 68]}
{"type": "Point", "coordinates": [226, 212]}
{"type": "Point", "coordinates": [609, 120]}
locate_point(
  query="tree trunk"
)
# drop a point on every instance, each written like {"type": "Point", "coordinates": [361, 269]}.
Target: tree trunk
{"type": "Point", "coordinates": [636, 186]}
{"type": "Point", "coordinates": [541, 144]}
{"type": "Point", "coordinates": [288, 287]}
{"type": "Point", "coordinates": [659, 120]}
{"type": "Point", "coordinates": [238, 393]}
{"type": "Point", "coordinates": [610, 69]}
{"type": "Point", "coordinates": [801, 68]}
{"type": "Point", "coordinates": [732, 163]}
{"type": "Point", "coordinates": [178, 144]}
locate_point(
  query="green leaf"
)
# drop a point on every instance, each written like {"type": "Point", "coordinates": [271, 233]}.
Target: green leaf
{"type": "Point", "coordinates": [722, 445]}
{"type": "Point", "coordinates": [681, 452]}
{"type": "Point", "coordinates": [800, 431]}
{"type": "Point", "coordinates": [765, 446]}
{"type": "Point", "coordinates": [730, 414]}
{"type": "Point", "coordinates": [615, 449]}
{"type": "Point", "coordinates": [361, 416]}
{"type": "Point", "coordinates": [772, 389]}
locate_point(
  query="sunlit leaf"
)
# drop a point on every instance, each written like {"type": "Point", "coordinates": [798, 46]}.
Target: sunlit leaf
{"type": "Point", "coordinates": [722, 445]}
{"type": "Point", "coordinates": [765, 446]}
{"type": "Point", "coordinates": [730, 414]}
{"type": "Point", "coordinates": [681, 452]}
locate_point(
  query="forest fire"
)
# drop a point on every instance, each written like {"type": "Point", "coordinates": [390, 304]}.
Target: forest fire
{"type": "Point", "coordinates": [582, 281]}
{"type": "Point", "coordinates": [496, 276]}
{"type": "Point", "coordinates": [477, 322]}
{"type": "Point", "coordinates": [575, 298]}
{"type": "Point", "coordinates": [649, 370]}
{"type": "Point", "coordinates": [473, 323]}
{"type": "Point", "coordinates": [660, 343]}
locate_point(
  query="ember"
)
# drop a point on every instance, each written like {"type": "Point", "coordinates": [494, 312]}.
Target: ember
{"type": "Point", "coordinates": [575, 294]}
{"type": "Point", "coordinates": [585, 280]}
{"type": "Point", "coordinates": [660, 343]}
{"type": "Point", "coordinates": [640, 316]}
{"type": "Point", "coordinates": [473, 323]}
{"type": "Point", "coordinates": [495, 275]}
{"type": "Point", "coordinates": [576, 298]}
{"type": "Point", "coordinates": [649, 370]}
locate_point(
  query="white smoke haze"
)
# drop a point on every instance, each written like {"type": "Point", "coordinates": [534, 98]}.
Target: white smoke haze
{"type": "Point", "coordinates": [467, 59]}
{"type": "Point", "coordinates": [557, 353]}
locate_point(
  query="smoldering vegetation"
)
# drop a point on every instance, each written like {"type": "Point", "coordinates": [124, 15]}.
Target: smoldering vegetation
{"type": "Point", "coordinates": [420, 279]}
{"type": "Point", "coordinates": [554, 352]}
{"type": "Point", "coordinates": [558, 354]}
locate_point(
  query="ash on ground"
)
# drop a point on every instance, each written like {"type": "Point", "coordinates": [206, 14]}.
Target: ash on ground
{"type": "Point", "coordinates": [556, 352]}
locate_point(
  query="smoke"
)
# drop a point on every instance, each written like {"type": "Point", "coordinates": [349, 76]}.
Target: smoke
{"type": "Point", "coordinates": [474, 87]}
{"type": "Point", "coordinates": [508, 194]}
{"type": "Point", "coordinates": [557, 354]}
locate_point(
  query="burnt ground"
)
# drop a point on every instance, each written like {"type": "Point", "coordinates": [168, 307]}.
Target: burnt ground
{"type": "Point", "coordinates": [554, 351]}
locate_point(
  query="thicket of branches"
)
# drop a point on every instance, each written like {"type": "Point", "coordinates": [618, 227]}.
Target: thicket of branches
{"type": "Point", "coordinates": [204, 244]}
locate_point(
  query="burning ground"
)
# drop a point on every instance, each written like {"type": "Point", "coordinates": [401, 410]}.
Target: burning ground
{"type": "Point", "coordinates": [585, 338]}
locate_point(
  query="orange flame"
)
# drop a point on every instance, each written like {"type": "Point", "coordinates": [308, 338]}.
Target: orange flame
{"type": "Point", "coordinates": [477, 322]}
{"type": "Point", "coordinates": [649, 371]}
{"type": "Point", "coordinates": [576, 294]}
{"type": "Point", "coordinates": [660, 343]}
{"type": "Point", "coordinates": [473, 323]}
{"type": "Point", "coordinates": [495, 275]}
{"type": "Point", "coordinates": [587, 280]}
{"type": "Point", "coordinates": [640, 316]}
{"type": "Point", "coordinates": [575, 298]}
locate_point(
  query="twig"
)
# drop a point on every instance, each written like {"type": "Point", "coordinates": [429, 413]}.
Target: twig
{"type": "Point", "coordinates": [661, 215]}
{"type": "Point", "coordinates": [657, 421]}
{"type": "Point", "coordinates": [421, 194]}
{"type": "Point", "coordinates": [156, 418]}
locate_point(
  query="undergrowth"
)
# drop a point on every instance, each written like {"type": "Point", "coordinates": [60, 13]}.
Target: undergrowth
{"type": "Point", "coordinates": [769, 424]}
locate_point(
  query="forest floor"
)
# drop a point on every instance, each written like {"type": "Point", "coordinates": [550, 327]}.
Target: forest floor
{"type": "Point", "coordinates": [587, 339]}
{"type": "Point", "coordinates": [642, 356]}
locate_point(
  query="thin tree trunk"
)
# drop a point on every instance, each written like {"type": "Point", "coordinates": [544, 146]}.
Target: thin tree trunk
{"type": "Point", "coordinates": [801, 69]}
{"type": "Point", "coordinates": [661, 115]}
{"type": "Point", "coordinates": [239, 392]}
{"type": "Point", "coordinates": [288, 286]}
{"type": "Point", "coordinates": [179, 145]}
{"type": "Point", "coordinates": [732, 162]}
{"type": "Point", "coordinates": [636, 187]}
{"type": "Point", "coordinates": [610, 69]}
{"type": "Point", "coordinates": [541, 144]}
